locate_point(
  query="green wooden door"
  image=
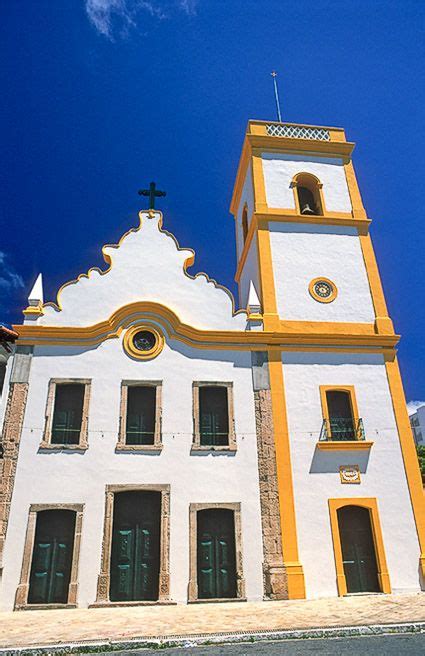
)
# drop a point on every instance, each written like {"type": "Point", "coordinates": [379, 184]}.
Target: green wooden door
{"type": "Point", "coordinates": [135, 546]}
{"type": "Point", "coordinates": [216, 561]}
{"type": "Point", "coordinates": [52, 557]}
{"type": "Point", "coordinates": [358, 549]}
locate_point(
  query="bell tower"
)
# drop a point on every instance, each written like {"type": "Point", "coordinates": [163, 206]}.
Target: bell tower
{"type": "Point", "coordinates": [302, 233]}
{"type": "Point", "coordinates": [304, 249]}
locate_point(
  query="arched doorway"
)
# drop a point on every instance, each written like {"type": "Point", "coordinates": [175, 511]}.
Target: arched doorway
{"type": "Point", "coordinates": [358, 549]}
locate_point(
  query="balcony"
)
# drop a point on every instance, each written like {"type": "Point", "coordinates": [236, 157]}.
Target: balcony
{"type": "Point", "coordinates": [343, 433]}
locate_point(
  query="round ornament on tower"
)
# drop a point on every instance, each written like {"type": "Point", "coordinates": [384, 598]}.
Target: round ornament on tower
{"type": "Point", "coordinates": [323, 290]}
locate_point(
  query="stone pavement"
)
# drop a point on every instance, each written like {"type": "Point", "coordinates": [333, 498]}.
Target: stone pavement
{"type": "Point", "coordinates": [53, 627]}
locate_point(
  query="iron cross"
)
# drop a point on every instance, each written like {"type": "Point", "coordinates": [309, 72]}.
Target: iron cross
{"type": "Point", "coordinates": [152, 192]}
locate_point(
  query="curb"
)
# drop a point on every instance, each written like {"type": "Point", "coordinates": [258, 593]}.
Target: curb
{"type": "Point", "coordinates": [162, 642]}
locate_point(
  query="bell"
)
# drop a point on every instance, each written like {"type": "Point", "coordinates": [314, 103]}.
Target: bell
{"type": "Point", "coordinates": [306, 209]}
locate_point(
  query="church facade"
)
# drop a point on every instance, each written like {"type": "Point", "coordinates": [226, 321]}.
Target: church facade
{"type": "Point", "coordinates": [162, 447]}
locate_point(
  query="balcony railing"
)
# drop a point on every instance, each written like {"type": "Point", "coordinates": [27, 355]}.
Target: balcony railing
{"type": "Point", "coordinates": [342, 429]}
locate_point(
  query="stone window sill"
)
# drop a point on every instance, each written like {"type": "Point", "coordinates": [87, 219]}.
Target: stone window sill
{"type": "Point", "coordinates": [216, 601]}
{"type": "Point", "coordinates": [46, 446]}
{"type": "Point", "coordinates": [150, 448]}
{"type": "Point", "coordinates": [117, 604]}
{"type": "Point", "coordinates": [45, 606]}
{"type": "Point", "coordinates": [349, 445]}
{"type": "Point", "coordinates": [197, 447]}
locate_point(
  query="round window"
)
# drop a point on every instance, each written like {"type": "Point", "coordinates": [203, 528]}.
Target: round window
{"type": "Point", "coordinates": [323, 290]}
{"type": "Point", "coordinates": [144, 340]}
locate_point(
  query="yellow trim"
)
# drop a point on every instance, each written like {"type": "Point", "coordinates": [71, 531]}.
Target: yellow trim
{"type": "Point", "coordinates": [342, 149]}
{"type": "Point", "coordinates": [354, 191]}
{"type": "Point", "coordinates": [283, 215]}
{"type": "Point", "coordinates": [134, 352]}
{"type": "Point", "coordinates": [294, 569]}
{"type": "Point", "coordinates": [315, 295]}
{"type": "Point", "coordinates": [338, 388]}
{"type": "Point", "coordinates": [34, 310]}
{"type": "Point", "coordinates": [289, 335]}
{"type": "Point", "coordinates": [329, 327]}
{"type": "Point", "coordinates": [383, 323]}
{"type": "Point", "coordinates": [260, 199]}
{"type": "Point", "coordinates": [408, 450]}
{"type": "Point", "coordinates": [381, 561]}
{"type": "Point", "coordinates": [349, 445]}
{"type": "Point", "coordinates": [265, 269]}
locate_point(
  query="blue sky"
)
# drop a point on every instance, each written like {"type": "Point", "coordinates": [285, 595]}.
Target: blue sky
{"type": "Point", "coordinates": [102, 96]}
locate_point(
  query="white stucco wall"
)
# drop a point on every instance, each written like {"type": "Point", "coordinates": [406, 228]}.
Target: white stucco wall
{"type": "Point", "coordinates": [316, 473]}
{"type": "Point", "coordinates": [249, 273]}
{"type": "Point", "coordinates": [280, 168]}
{"type": "Point", "coordinates": [53, 477]}
{"type": "Point", "coordinates": [303, 252]}
{"type": "Point", "coordinates": [147, 265]}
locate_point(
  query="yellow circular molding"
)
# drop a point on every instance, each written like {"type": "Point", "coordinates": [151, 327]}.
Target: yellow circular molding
{"type": "Point", "coordinates": [141, 354]}
{"type": "Point", "coordinates": [323, 290]}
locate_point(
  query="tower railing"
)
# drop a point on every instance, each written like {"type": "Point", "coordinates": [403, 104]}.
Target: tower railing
{"type": "Point", "coordinates": [297, 132]}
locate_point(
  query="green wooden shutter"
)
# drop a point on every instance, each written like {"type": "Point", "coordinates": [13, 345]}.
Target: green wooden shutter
{"type": "Point", "coordinates": [214, 416]}
{"type": "Point", "coordinates": [141, 410]}
{"type": "Point", "coordinates": [68, 413]}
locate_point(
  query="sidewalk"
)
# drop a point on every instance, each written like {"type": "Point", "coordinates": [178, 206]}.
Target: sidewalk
{"type": "Point", "coordinates": [56, 627]}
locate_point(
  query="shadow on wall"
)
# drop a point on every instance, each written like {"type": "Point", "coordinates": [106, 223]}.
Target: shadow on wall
{"type": "Point", "coordinates": [239, 359]}
{"type": "Point", "coordinates": [329, 462]}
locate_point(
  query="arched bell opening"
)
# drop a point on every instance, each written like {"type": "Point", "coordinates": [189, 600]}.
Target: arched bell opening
{"type": "Point", "coordinates": [308, 194]}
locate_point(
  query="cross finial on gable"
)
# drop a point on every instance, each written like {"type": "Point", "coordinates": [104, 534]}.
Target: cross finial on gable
{"type": "Point", "coordinates": [153, 193]}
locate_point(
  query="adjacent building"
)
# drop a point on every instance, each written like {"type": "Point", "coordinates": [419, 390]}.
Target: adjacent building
{"type": "Point", "coordinates": [161, 446]}
{"type": "Point", "coordinates": [417, 422]}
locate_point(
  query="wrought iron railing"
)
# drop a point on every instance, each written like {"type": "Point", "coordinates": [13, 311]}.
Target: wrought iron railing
{"type": "Point", "coordinates": [298, 132]}
{"type": "Point", "coordinates": [342, 429]}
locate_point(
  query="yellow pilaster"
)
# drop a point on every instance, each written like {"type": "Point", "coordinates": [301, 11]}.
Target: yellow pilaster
{"type": "Point", "coordinates": [294, 569]}
{"type": "Point", "coordinates": [354, 191]}
{"type": "Point", "coordinates": [383, 323]}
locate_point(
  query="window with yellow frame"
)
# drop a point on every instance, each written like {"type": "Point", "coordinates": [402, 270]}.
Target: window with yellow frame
{"type": "Point", "coordinates": [341, 421]}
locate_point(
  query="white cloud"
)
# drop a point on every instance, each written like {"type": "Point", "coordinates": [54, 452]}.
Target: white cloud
{"type": "Point", "coordinates": [412, 406]}
{"type": "Point", "coordinates": [108, 16]}
{"type": "Point", "coordinates": [10, 282]}
{"type": "Point", "coordinates": [188, 6]}
{"type": "Point", "coordinates": [9, 279]}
